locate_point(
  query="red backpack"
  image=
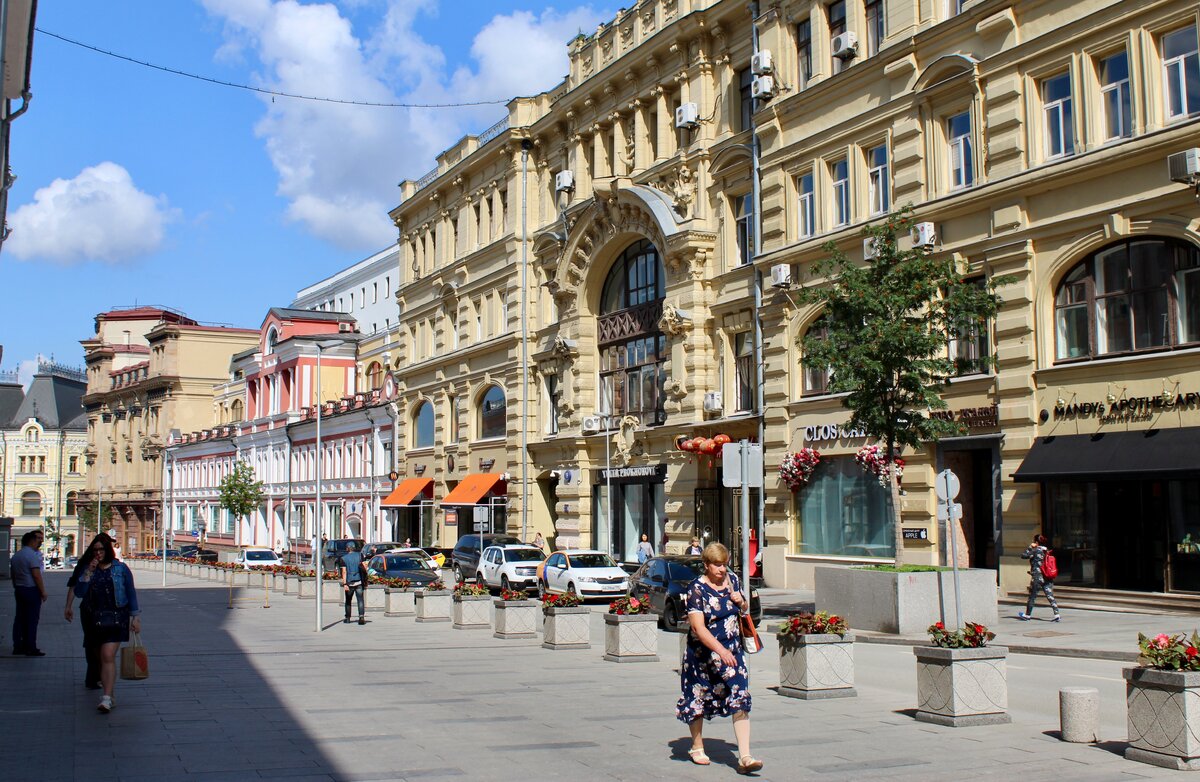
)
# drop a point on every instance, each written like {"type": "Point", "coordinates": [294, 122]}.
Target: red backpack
{"type": "Point", "coordinates": [1049, 566]}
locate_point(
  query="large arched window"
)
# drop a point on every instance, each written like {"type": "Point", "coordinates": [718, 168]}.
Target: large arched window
{"type": "Point", "coordinates": [272, 339]}
{"type": "Point", "coordinates": [422, 420]}
{"type": "Point", "coordinates": [72, 496]}
{"type": "Point", "coordinates": [1140, 294]}
{"type": "Point", "coordinates": [632, 349]}
{"type": "Point", "coordinates": [492, 410]}
{"type": "Point", "coordinates": [31, 504]}
{"type": "Point", "coordinates": [375, 375]}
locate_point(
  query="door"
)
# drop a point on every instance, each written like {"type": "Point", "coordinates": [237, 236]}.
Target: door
{"type": "Point", "coordinates": [708, 516]}
{"type": "Point", "coordinates": [556, 572]}
{"type": "Point", "coordinates": [1132, 521]}
{"type": "Point", "coordinates": [490, 565]}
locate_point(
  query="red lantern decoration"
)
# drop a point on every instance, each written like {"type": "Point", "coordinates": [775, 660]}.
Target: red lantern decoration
{"type": "Point", "coordinates": [722, 439]}
{"type": "Point", "coordinates": [709, 447]}
{"type": "Point", "coordinates": [697, 444]}
{"type": "Point", "coordinates": [686, 445]}
{"type": "Point", "coordinates": [681, 443]}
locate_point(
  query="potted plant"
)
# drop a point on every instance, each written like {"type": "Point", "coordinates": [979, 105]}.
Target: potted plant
{"type": "Point", "coordinates": [630, 632]}
{"type": "Point", "coordinates": [516, 615]}
{"type": "Point", "coordinates": [399, 599]}
{"type": "Point", "coordinates": [1161, 702]}
{"type": "Point", "coordinates": [566, 624]}
{"type": "Point", "coordinates": [433, 602]}
{"type": "Point", "coordinates": [471, 607]}
{"type": "Point", "coordinates": [331, 590]}
{"type": "Point", "coordinates": [816, 657]}
{"type": "Point", "coordinates": [961, 681]}
{"type": "Point", "coordinates": [307, 588]}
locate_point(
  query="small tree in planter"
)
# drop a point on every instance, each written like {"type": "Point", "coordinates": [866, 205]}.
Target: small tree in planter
{"type": "Point", "coordinates": [398, 596]}
{"type": "Point", "coordinates": [1162, 702]}
{"type": "Point", "coordinates": [961, 681]}
{"type": "Point", "coordinates": [433, 602]}
{"type": "Point", "coordinates": [516, 615]}
{"type": "Point", "coordinates": [567, 624]}
{"type": "Point", "coordinates": [471, 607]}
{"type": "Point", "coordinates": [240, 494]}
{"type": "Point", "coordinates": [816, 657]}
{"type": "Point", "coordinates": [630, 632]}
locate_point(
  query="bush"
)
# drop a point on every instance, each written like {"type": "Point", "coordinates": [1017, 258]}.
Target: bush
{"type": "Point", "coordinates": [972, 636]}
{"type": "Point", "coordinates": [820, 623]}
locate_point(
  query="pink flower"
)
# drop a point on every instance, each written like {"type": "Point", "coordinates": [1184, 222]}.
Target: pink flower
{"type": "Point", "coordinates": [1162, 640]}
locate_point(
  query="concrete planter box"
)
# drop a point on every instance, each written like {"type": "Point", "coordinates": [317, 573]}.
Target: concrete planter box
{"type": "Point", "coordinates": [258, 579]}
{"type": "Point", "coordinates": [277, 580]}
{"type": "Point", "coordinates": [307, 588]}
{"type": "Point", "coordinates": [516, 618]}
{"type": "Point", "coordinates": [332, 592]}
{"type": "Point", "coordinates": [433, 606]}
{"type": "Point", "coordinates": [189, 569]}
{"type": "Point", "coordinates": [817, 666]}
{"type": "Point", "coordinates": [1163, 713]}
{"type": "Point", "coordinates": [399, 602]}
{"type": "Point", "coordinates": [631, 638]}
{"type": "Point", "coordinates": [374, 597]}
{"type": "Point", "coordinates": [962, 687]}
{"type": "Point", "coordinates": [291, 584]}
{"type": "Point", "coordinates": [567, 628]}
{"type": "Point", "coordinates": [471, 612]}
{"type": "Point", "coordinates": [905, 603]}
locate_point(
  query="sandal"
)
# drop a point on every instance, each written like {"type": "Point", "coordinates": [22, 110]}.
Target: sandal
{"type": "Point", "coordinates": [748, 764]}
{"type": "Point", "coordinates": [698, 757]}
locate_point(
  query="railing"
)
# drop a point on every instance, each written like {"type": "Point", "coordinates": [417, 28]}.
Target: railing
{"type": "Point", "coordinates": [8, 376]}
{"type": "Point", "coordinates": [61, 370]}
{"type": "Point", "coordinates": [493, 131]}
{"type": "Point", "coordinates": [427, 178]}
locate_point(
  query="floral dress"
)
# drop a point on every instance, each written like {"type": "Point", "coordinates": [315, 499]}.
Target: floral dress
{"type": "Point", "coordinates": [711, 688]}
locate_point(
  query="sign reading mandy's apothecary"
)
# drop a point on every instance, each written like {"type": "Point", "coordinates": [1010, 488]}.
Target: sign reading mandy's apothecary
{"type": "Point", "coordinates": [649, 473]}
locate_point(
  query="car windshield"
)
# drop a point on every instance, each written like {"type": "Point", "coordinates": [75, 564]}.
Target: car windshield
{"type": "Point", "coordinates": [684, 571]}
{"type": "Point", "coordinates": [591, 560]}
{"type": "Point", "coordinates": [260, 556]}
{"type": "Point", "coordinates": [523, 555]}
{"type": "Point", "coordinates": [406, 563]}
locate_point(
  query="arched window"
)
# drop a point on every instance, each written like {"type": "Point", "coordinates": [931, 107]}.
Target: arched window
{"type": "Point", "coordinates": [272, 339]}
{"type": "Point", "coordinates": [71, 497]}
{"type": "Point", "coordinates": [816, 380]}
{"type": "Point", "coordinates": [632, 349]}
{"type": "Point", "coordinates": [422, 420]}
{"type": "Point", "coordinates": [375, 375]}
{"type": "Point", "coordinates": [235, 411]}
{"type": "Point", "coordinates": [492, 409]}
{"type": "Point", "coordinates": [1139, 294]}
{"type": "Point", "coordinates": [31, 504]}
{"type": "Point", "coordinates": [31, 434]}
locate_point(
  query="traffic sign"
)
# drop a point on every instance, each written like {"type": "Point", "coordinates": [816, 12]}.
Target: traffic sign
{"type": "Point", "coordinates": [947, 485]}
{"type": "Point", "coordinates": [952, 511]}
{"type": "Point", "coordinates": [195, 533]}
{"type": "Point", "coordinates": [731, 473]}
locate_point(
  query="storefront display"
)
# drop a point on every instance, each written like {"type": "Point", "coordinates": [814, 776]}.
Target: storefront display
{"type": "Point", "coordinates": [844, 512]}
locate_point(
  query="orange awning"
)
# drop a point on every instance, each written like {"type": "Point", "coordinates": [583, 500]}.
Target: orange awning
{"type": "Point", "coordinates": [408, 490]}
{"type": "Point", "coordinates": [473, 487]}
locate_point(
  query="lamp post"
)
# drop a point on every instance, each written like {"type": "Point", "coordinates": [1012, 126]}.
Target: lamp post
{"type": "Point", "coordinates": [608, 498]}
{"type": "Point", "coordinates": [319, 526]}
{"type": "Point", "coordinates": [168, 514]}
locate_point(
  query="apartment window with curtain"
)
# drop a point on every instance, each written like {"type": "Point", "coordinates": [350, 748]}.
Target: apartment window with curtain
{"type": "Point", "coordinates": [878, 179]}
{"type": "Point", "coordinates": [962, 153]}
{"type": "Point", "coordinates": [837, 26]}
{"type": "Point", "coordinates": [1181, 78]}
{"type": "Point", "coordinates": [1114, 96]}
{"type": "Point", "coordinates": [744, 219]}
{"type": "Point", "coordinates": [1058, 124]}
{"type": "Point", "coordinates": [839, 173]}
{"type": "Point", "coordinates": [816, 380]}
{"type": "Point", "coordinates": [743, 349]}
{"type": "Point", "coordinates": [806, 205]}
{"type": "Point", "coordinates": [875, 26]}
{"type": "Point", "coordinates": [970, 345]}
{"type": "Point", "coordinates": [745, 101]}
{"type": "Point", "coordinates": [804, 51]}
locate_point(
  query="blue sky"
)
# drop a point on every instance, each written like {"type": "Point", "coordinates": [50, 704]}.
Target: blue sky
{"type": "Point", "coordinates": [136, 186]}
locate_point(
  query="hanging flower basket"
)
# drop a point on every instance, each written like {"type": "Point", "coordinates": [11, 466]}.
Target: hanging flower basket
{"type": "Point", "coordinates": [873, 459]}
{"type": "Point", "coordinates": [796, 468]}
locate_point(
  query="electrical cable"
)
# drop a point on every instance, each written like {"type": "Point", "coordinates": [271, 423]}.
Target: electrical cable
{"type": "Point", "coordinates": [264, 91]}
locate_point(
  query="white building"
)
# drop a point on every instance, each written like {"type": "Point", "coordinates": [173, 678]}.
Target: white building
{"type": "Point", "coordinates": [365, 290]}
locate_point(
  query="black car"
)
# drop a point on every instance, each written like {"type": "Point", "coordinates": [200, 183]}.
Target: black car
{"type": "Point", "coordinates": [171, 553]}
{"type": "Point", "coordinates": [195, 552]}
{"type": "Point", "coordinates": [662, 581]}
{"type": "Point", "coordinates": [371, 549]}
{"type": "Point", "coordinates": [332, 551]}
{"type": "Point", "coordinates": [465, 556]}
{"type": "Point", "coordinates": [404, 565]}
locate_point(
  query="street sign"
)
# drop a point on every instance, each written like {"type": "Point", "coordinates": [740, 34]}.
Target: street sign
{"type": "Point", "coordinates": [482, 518]}
{"type": "Point", "coordinates": [946, 486]}
{"type": "Point", "coordinates": [952, 511]}
{"type": "Point", "coordinates": [195, 533]}
{"type": "Point", "coordinates": [731, 473]}
{"type": "Point", "coordinates": [915, 533]}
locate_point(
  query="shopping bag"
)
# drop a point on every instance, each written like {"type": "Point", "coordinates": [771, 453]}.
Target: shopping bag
{"type": "Point", "coordinates": [135, 660]}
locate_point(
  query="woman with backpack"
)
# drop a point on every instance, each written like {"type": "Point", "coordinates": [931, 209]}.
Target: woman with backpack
{"type": "Point", "coordinates": [1043, 569]}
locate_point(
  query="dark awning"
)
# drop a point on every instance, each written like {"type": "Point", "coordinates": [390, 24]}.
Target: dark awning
{"type": "Point", "coordinates": [1153, 453]}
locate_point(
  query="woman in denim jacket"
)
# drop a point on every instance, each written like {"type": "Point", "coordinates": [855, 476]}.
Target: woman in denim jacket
{"type": "Point", "coordinates": [108, 609]}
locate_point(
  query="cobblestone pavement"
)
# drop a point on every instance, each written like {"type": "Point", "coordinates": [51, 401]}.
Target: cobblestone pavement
{"type": "Point", "coordinates": [255, 693]}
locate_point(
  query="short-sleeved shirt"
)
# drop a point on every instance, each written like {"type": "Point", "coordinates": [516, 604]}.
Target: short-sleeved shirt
{"type": "Point", "coordinates": [352, 561]}
{"type": "Point", "coordinates": [23, 563]}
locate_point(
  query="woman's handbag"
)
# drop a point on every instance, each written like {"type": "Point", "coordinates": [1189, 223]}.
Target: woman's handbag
{"type": "Point", "coordinates": [750, 640]}
{"type": "Point", "coordinates": [135, 661]}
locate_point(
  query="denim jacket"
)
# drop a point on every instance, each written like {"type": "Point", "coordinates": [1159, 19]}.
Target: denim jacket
{"type": "Point", "coordinates": [123, 588]}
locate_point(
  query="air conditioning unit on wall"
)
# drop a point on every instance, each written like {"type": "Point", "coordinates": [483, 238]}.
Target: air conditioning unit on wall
{"type": "Point", "coordinates": [687, 116]}
{"type": "Point", "coordinates": [781, 275]}
{"type": "Point", "coordinates": [713, 402]}
{"type": "Point", "coordinates": [870, 248]}
{"type": "Point", "coordinates": [564, 180]}
{"type": "Point", "coordinates": [1184, 166]}
{"type": "Point", "coordinates": [760, 62]}
{"type": "Point", "coordinates": [845, 46]}
{"type": "Point", "coordinates": [762, 88]}
{"type": "Point", "coordinates": [592, 424]}
{"type": "Point", "coordinates": [924, 235]}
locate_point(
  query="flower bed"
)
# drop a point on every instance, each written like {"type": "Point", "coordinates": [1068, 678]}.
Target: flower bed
{"type": "Point", "coordinates": [816, 657]}
{"type": "Point", "coordinates": [630, 631]}
{"type": "Point", "coordinates": [961, 681]}
{"type": "Point", "coordinates": [567, 623]}
{"type": "Point", "coordinates": [1162, 701]}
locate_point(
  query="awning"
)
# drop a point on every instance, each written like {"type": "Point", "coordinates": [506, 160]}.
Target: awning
{"type": "Point", "coordinates": [1154, 453]}
{"type": "Point", "coordinates": [407, 491]}
{"type": "Point", "coordinates": [473, 488]}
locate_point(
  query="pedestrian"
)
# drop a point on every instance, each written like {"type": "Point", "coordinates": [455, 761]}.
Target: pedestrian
{"type": "Point", "coordinates": [91, 651]}
{"type": "Point", "coordinates": [713, 676]}
{"type": "Point", "coordinates": [351, 566]}
{"type": "Point", "coordinates": [694, 550]}
{"type": "Point", "coordinates": [1036, 554]}
{"type": "Point", "coordinates": [645, 549]}
{"type": "Point", "coordinates": [108, 608]}
{"type": "Point", "coordinates": [29, 591]}
{"type": "Point", "coordinates": [539, 542]}
{"type": "Point", "coordinates": [408, 543]}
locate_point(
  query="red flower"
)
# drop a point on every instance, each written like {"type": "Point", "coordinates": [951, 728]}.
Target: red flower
{"type": "Point", "coordinates": [940, 626]}
{"type": "Point", "coordinates": [1191, 651]}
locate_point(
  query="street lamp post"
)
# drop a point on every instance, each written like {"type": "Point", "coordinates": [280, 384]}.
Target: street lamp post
{"type": "Point", "coordinates": [319, 526]}
{"type": "Point", "coordinates": [167, 515]}
{"type": "Point", "coordinates": [608, 498]}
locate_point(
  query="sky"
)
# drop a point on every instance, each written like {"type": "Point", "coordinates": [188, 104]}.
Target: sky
{"type": "Point", "coordinates": [136, 186]}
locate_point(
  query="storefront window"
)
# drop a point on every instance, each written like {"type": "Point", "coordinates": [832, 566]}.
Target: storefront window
{"type": "Point", "coordinates": [639, 508]}
{"type": "Point", "coordinates": [845, 512]}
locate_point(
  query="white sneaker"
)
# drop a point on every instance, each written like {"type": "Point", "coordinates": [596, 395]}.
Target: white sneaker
{"type": "Point", "coordinates": [106, 705]}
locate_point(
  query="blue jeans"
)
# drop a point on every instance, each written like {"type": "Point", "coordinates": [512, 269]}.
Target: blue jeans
{"type": "Point", "coordinates": [353, 590]}
{"type": "Point", "coordinates": [25, 624]}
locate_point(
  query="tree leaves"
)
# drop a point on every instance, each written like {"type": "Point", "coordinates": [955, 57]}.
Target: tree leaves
{"type": "Point", "coordinates": [239, 493]}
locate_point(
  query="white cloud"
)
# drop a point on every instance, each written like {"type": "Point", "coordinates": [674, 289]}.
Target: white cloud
{"type": "Point", "coordinates": [100, 215]}
{"type": "Point", "coordinates": [25, 370]}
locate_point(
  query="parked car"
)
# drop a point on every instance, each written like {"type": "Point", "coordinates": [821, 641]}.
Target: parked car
{"type": "Point", "coordinates": [509, 567]}
{"type": "Point", "coordinates": [438, 555]}
{"type": "Point", "coordinates": [332, 551]}
{"type": "Point", "coordinates": [586, 572]}
{"type": "Point", "coordinates": [257, 558]}
{"type": "Point", "coordinates": [410, 564]}
{"type": "Point", "coordinates": [662, 582]}
{"type": "Point", "coordinates": [416, 552]}
{"type": "Point", "coordinates": [201, 554]}
{"type": "Point", "coordinates": [171, 552]}
{"type": "Point", "coordinates": [466, 554]}
{"type": "Point", "coordinates": [371, 549]}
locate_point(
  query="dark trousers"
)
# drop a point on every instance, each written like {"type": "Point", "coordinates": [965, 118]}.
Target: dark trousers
{"type": "Point", "coordinates": [1040, 585]}
{"type": "Point", "coordinates": [91, 649]}
{"type": "Point", "coordinates": [25, 624]}
{"type": "Point", "coordinates": [351, 591]}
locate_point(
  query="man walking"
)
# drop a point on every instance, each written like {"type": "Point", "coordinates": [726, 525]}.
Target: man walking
{"type": "Point", "coordinates": [30, 592]}
{"type": "Point", "coordinates": [351, 565]}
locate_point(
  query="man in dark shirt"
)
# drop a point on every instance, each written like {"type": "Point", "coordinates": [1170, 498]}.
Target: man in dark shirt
{"type": "Point", "coordinates": [353, 582]}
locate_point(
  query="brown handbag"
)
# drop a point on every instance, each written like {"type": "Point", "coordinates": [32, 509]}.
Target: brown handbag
{"type": "Point", "coordinates": [750, 640]}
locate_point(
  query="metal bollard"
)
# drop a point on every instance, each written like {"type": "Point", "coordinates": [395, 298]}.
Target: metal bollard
{"type": "Point", "coordinates": [1079, 714]}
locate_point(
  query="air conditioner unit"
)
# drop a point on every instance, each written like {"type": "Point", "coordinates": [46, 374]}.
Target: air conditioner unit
{"type": "Point", "coordinates": [564, 180]}
{"type": "Point", "coordinates": [870, 248]}
{"type": "Point", "coordinates": [845, 46]}
{"type": "Point", "coordinates": [762, 88]}
{"type": "Point", "coordinates": [924, 235]}
{"type": "Point", "coordinates": [761, 63]}
{"type": "Point", "coordinates": [687, 116]}
{"type": "Point", "coordinates": [1184, 166]}
{"type": "Point", "coordinates": [781, 275]}
{"type": "Point", "coordinates": [592, 424]}
{"type": "Point", "coordinates": [713, 403]}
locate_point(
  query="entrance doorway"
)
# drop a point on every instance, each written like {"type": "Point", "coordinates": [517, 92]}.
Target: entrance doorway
{"type": "Point", "coordinates": [1133, 556]}
{"type": "Point", "coordinates": [977, 475]}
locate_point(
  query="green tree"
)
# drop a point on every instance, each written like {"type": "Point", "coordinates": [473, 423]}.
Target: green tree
{"type": "Point", "coordinates": [888, 326]}
{"type": "Point", "coordinates": [86, 514]}
{"type": "Point", "coordinates": [239, 493]}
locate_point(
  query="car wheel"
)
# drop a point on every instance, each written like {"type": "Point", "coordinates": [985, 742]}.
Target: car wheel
{"type": "Point", "coordinates": [479, 579]}
{"type": "Point", "coordinates": [571, 589]}
{"type": "Point", "coordinates": [504, 584]}
{"type": "Point", "coordinates": [671, 616]}
{"type": "Point", "coordinates": [542, 591]}
{"type": "Point", "coordinates": [458, 576]}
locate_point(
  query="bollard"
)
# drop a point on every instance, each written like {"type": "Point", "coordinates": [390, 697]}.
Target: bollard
{"type": "Point", "coordinates": [1079, 714]}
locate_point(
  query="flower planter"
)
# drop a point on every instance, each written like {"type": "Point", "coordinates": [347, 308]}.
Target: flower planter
{"type": "Point", "coordinates": [516, 618]}
{"type": "Point", "coordinates": [962, 687]}
{"type": "Point", "coordinates": [291, 584]}
{"type": "Point", "coordinates": [277, 580]}
{"type": "Point", "coordinates": [332, 592]}
{"type": "Point", "coordinates": [471, 612]}
{"type": "Point", "coordinates": [258, 579]}
{"type": "Point", "coordinates": [399, 602]}
{"type": "Point", "coordinates": [375, 599]}
{"type": "Point", "coordinates": [433, 606]}
{"type": "Point", "coordinates": [631, 638]}
{"type": "Point", "coordinates": [817, 666]}
{"type": "Point", "coordinates": [1163, 714]}
{"type": "Point", "coordinates": [567, 628]}
{"type": "Point", "coordinates": [307, 588]}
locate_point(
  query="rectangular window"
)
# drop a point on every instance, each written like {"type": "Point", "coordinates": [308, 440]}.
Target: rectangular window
{"type": "Point", "coordinates": [374, 292]}
{"type": "Point", "coordinates": [804, 51]}
{"type": "Point", "coordinates": [745, 228]}
{"type": "Point", "coordinates": [845, 512]}
{"type": "Point", "coordinates": [878, 179]}
{"type": "Point", "coordinates": [1057, 116]}
{"type": "Point", "coordinates": [970, 346]}
{"type": "Point", "coordinates": [1114, 95]}
{"type": "Point", "coordinates": [455, 432]}
{"type": "Point", "coordinates": [962, 153]}
{"type": "Point", "coordinates": [552, 398]}
{"type": "Point", "coordinates": [839, 172]}
{"type": "Point", "coordinates": [745, 101]}
{"type": "Point", "coordinates": [74, 464]}
{"type": "Point", "coordinates": [1181, 79]}
{"type": "Point", "coordinates": [743, 348]}
{"type": "Point", "coordinates": [875, 26]}
{"type": "Point", "coordinates": [837, 26]}
{"type": "Point", "coordinates": [806, 208]}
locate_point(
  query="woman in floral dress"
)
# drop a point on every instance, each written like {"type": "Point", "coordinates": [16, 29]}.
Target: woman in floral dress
{"type": "Point", "coordinates": [713, 676]}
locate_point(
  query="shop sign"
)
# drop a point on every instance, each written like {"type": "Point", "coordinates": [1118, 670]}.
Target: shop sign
{"type": "Point", "coordinates": [822, 433]}
{"type": "Point", "coordinates": [419, 469]}
{"type": "Point", "coordinates": [971, 417]}
{"type": "Point", "coordinates": [486, 464]}
{"type": "Point", "coordinates": [451, 517]}
{"type": "Point", "coordinates": [915, 533]}
{"type": "Point", "coordinates": [650, 472]}
{"type": "Point", "coordinates": [1126, 409]}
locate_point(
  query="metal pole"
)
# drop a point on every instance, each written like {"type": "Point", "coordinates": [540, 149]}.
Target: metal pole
{"type": "Point", "coordinates": [953, 533]}
{"type": "Point", "coordinates": [744, 455]}
{"type": "Point", "coordinates": [165, 517]}
{"type": "Point", "coordinates": [608, 500]}
{"type": "Point", "coordinates": [525, 144]}
{"type": "Point", "coordinates": [320, 591]}
{"type": "Point", "coordinates": [759, 361]}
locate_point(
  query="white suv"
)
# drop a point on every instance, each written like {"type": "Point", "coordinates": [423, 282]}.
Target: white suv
{"type": "Point", "coordinates": [509, 567]}
{"type": "Point", "coordinates": [257, 557]}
